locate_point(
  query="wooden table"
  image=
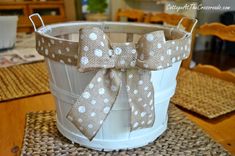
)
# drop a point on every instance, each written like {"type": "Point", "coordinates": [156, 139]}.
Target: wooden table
{"type": "Point", "coordinates": [12, 121]}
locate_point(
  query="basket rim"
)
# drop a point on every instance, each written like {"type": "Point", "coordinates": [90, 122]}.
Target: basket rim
{"type": "Point", "coordinates": [105, 26]}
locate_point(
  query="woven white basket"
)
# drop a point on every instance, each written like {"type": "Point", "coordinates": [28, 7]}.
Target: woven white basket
{"type": "Point", "coordinates": [67, 84]}
{"type": "Point", "coordinates": [8, 25]}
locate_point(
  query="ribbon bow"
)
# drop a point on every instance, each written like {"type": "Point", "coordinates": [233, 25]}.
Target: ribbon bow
{"type": "Point", "coordinates": [119, 65]}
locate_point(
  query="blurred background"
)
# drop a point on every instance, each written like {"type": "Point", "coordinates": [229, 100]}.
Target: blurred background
{"type": "Point", "coordinates": [209, 49]}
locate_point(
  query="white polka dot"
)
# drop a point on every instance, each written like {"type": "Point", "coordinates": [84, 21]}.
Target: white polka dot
{"type": "Point", "coordinates": [132, 64]}
{"type": "Point", "coordinates": [130, 76]}
{"type": "Point", "coordinates": [145, 105]}
{"type": "Point", "coordinates": [91, 85]}
{"type": "Point", "coordinates": [150, 37]}
{"type": "Point", "coordinates": [135, 124]}
{"type": "Point", "coordinates": [159, 45]}
{"type": "Point", "coordinates": [149, 122]}
{"type": "Point", "coordinates": [90, 126]}
{"type": "Point", "coordinates": [185, 47]}
{"type": "Point", "coordinates": [110, 53]}
{"type": "Point", "coordinates": [106, 109]}
{"type": "Point", "coordinates": [53, 55]}
{"type": "Point", "coordinates": [182, 48]}
{"type": "Point", "coordinates": [86, 95]}
{"type": "Point", "coordinates": [46, 51]}
{"type": "Point", "coordinates": [149, 94]}
{"type": "Point", "coordinates": [177, 48]}
{"type": "Point", "coordinates": [184, 55]}
{"type": "Point", "coordinates": [146, 88]}
{"type": "Point", "coordinates": [104, 37]}
{"type": "Point", "coordinates": [130, 100]}
{"type": "Point", "coordinates": [142, 57]}
{"type": "Point", "coordinates": [140, 82]}
{"type": "Point", "coordinates": [113, 88]}
{"type": "Point", "coordinates": [173, 60]}
{"type": "Point", "coordinates": [122, 62]}
{"type": "Point", "coordinates": [84, 60]}
{"type": "Point", "coordinates": [128, 88]}
{"type": "Point", "coordinates": [132, 108]}
{"type": "Point", "coordinates": [135, 91]}
{"type": "Point", "coordinates": [93, 114]}
{"type": "Point", "coordinates": [67, 49]}
{"type": "Point", "coordinates": [39, 43]}
{"type": "Point", "coordinates": [142, 122]}
{"type": "Point", "coordinates": [69, 60]}
{"type": "Point", "coordinates": [86, 48]}
{"type": "Point", "coordinates": [98, 52]}
{"type": "Point", "coordinates": [82, 109]}
{"type": "Point", "coordinates": [133, 51]}
{"type": "Point", "coordinates": [61, 61]}
{"type": "Point", "coordinates": [136, 112]}
{"type": "Point", "coordinates": [41, 48]}
{"type": "Point", "coordinates": [93, 36]}
{"type": "Point", "coordinates": [59, 51]}
{"type": "Point", "coordinates": [140, 99]}
{"type": "Point", "coordinates": [143, 114]}
{"type": "Point", "coordinates": [42, 40]}
{"type": "Point", "coordinates": [159, 67]}
{"type": "Point", "coordinates": [106, 100]}
{"type": "Point", "coordinates": [151, 102]}
{"type": "Point", "coordinates": [173, 42]}
{"type": "Point", "coordinates": [49, 45]}
{"type": "Point", "coordinates": [150, 116]}
{"type": "Point", "coordinates": [162, 58]}
{"type": "Point", "coordinates": [101, 121]}
{"type": "Point", "coordinates": [60, 41]}
{"type": "Point", "coordinates": [146, 65]}
{"type": "Point", "coordinates": [99, 79]}
{"type": "Point", "coordinates": [75, 56]}
{"type": "Point", "coordinates": [101, 91]}
{"type": "Point", "coordinates": [151, 108]}
{"type": "Point", "coordinates": [178, 58]}
{"type": "Point", "coordinates": [80, 120]}
{"type": "Point", "coordinates": [117, 51]}
{"type": "Point", "coordinates": [93, 102]}
{"type": "Point", "coordinates": [102, 44]}
{"type": "Point", "coordinates": [169, 52]}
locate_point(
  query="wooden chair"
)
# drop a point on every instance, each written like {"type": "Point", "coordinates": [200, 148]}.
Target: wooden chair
{"type": "Point", "coordinates": [225, 33]}
{"type": "Point", "coordinates": [130, 14]}
{"type": "Point", "coordinates": [174, 19]}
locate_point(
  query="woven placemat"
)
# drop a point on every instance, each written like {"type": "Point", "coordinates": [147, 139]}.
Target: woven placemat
{"type": "Point", "coordinates": [204, 94]}
{"type": "Point", "coordinates": [23, 80]}
{"type": "Point", "coordinates": [181, 138]}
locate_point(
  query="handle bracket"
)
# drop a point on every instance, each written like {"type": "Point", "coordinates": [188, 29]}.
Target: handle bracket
{"type": "Point", "coordinates": [40, 18]}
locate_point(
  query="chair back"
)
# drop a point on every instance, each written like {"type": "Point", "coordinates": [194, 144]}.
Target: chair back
{"type": "Point", "coordinates": [131, 15]}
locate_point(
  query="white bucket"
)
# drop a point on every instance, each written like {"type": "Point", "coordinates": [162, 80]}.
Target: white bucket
{"type": "Point", "coordinates": [67, 84]}
{"type": "Point", "coordinates": [8, 27]}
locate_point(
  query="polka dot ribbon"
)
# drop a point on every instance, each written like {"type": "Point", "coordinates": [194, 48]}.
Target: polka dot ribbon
{"type": "Point", "coordinates": [120, 65]}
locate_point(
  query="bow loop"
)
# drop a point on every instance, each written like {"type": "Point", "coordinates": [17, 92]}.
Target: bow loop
{"type": "Point", "coordinates": [94, 51]}
{"type": "Point", "coordinates": [151, 51]}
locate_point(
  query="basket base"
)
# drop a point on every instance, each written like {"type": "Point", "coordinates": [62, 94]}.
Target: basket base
{"type": "Point", "coordinates": [112, 145]}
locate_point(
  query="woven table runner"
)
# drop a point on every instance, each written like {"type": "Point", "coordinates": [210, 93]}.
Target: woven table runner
{"type": "Point", "coordinates": [204, 94]}
{"type": "Point", "coordinates": [181, 138]}
{"type": "Point", "coordinates": [23, 80]}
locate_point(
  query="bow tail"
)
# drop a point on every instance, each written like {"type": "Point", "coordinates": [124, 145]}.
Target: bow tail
{"type": "Point", "coordinates": [141, 98]}
{"type": "Point", "coordinates": [95, 103]}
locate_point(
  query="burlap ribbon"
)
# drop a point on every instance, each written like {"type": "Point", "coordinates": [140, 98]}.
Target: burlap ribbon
{"type": "Point", "coordinates": [113, 62]}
